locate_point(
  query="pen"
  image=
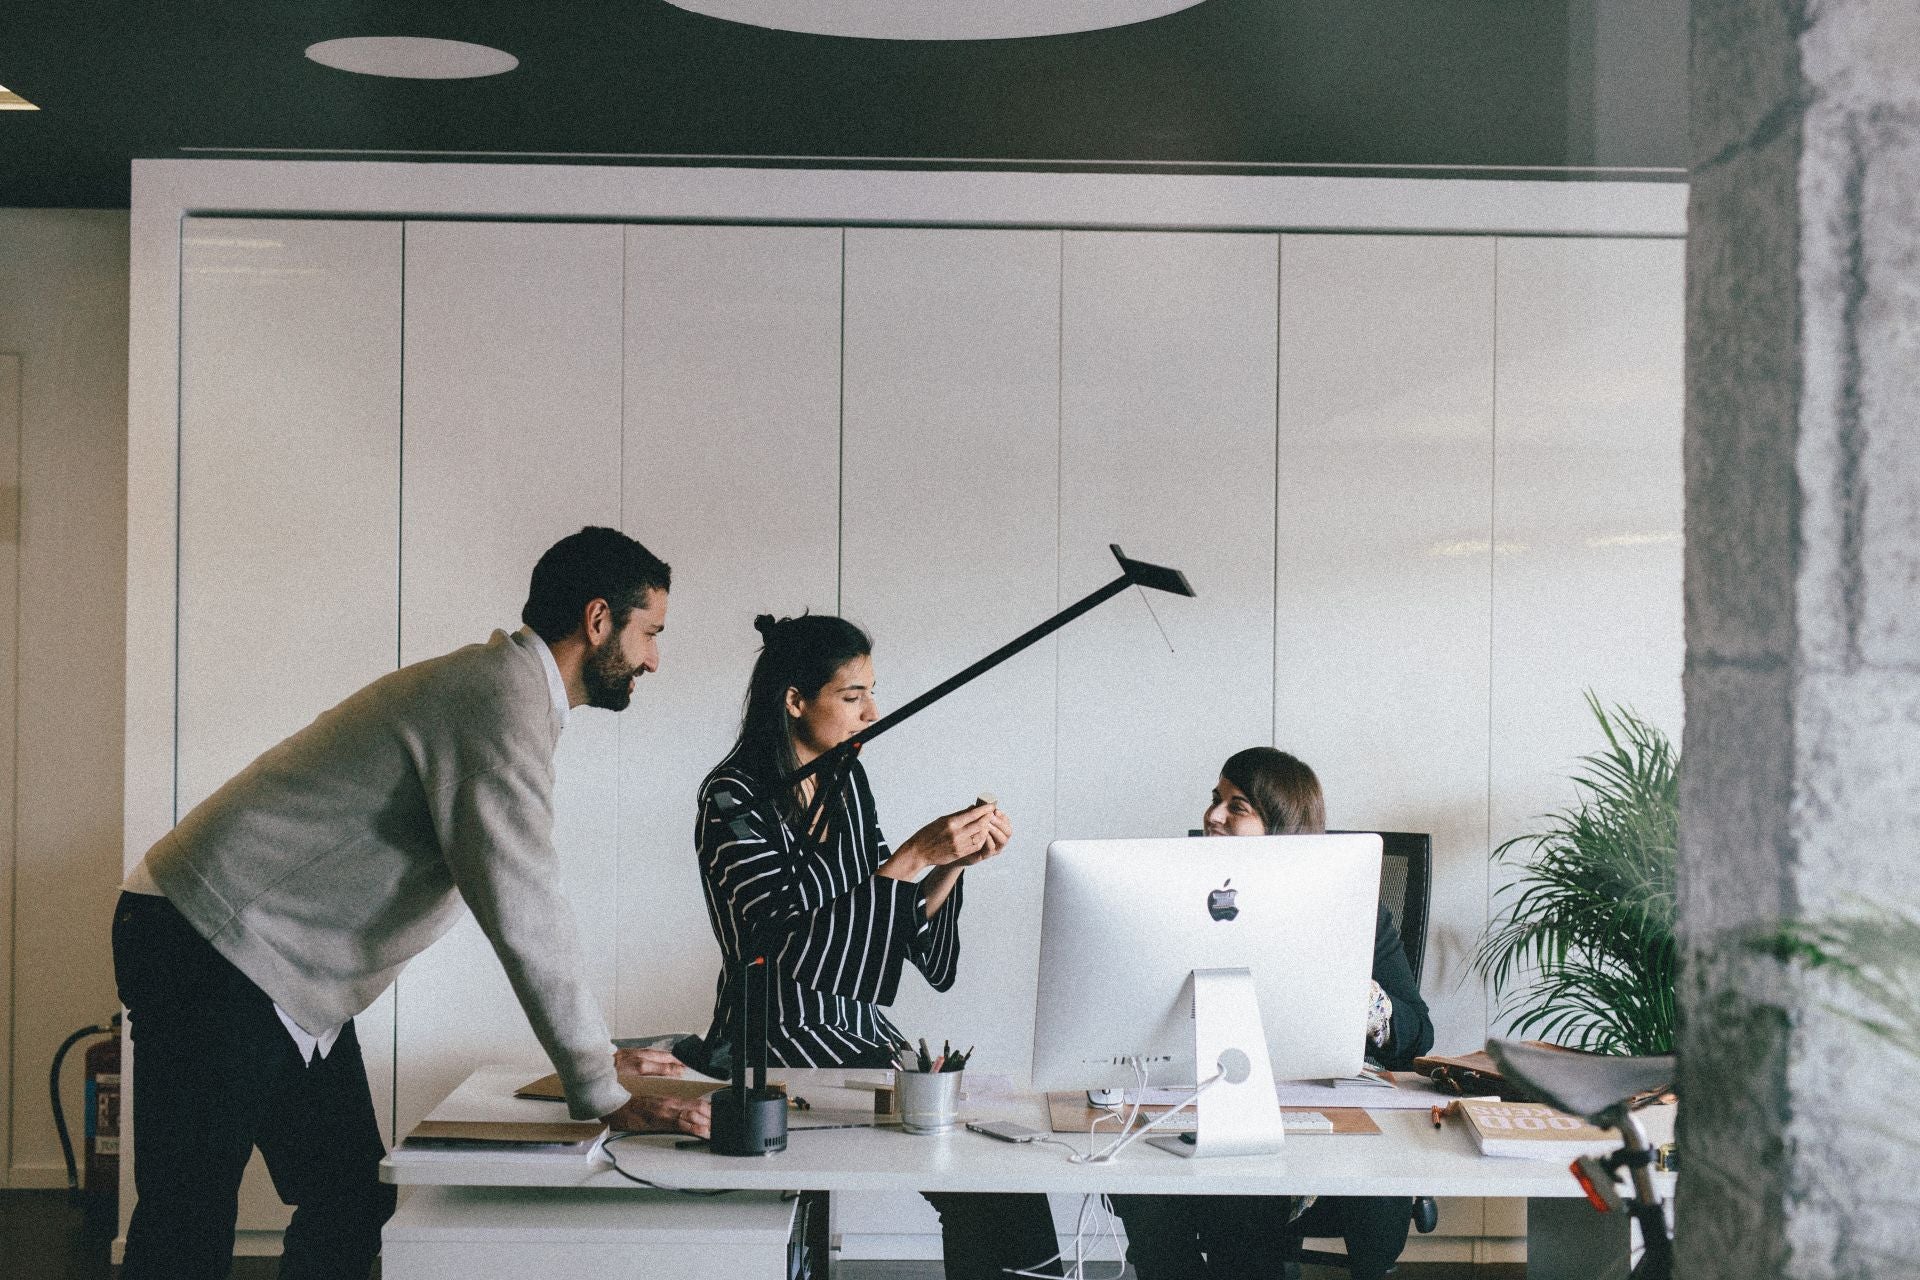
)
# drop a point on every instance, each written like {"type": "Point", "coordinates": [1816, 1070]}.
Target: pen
{"type": "Point", "coordinates": [938, 1062]}
{"type": "Point", "coordinates": [926, 1059]}
{"type": "Point", "coordinates": [959, 1061]}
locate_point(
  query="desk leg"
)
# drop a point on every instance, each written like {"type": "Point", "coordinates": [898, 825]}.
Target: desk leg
{"type": "Point", "coordinates": [816, 1238]}
{"type": "Point", "coordinates": [1567, 1239]}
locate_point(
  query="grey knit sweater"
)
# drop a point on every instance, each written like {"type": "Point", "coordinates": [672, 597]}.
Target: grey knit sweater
{"type": "Point", "coordinates": [340, 854]}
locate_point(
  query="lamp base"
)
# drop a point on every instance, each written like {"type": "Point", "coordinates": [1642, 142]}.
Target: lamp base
{"type": "Point", "coordinates": [752, 1122]}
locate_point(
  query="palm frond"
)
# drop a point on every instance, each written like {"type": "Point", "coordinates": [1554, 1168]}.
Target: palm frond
{"type": "Point", "coordinates": [1581, 948]}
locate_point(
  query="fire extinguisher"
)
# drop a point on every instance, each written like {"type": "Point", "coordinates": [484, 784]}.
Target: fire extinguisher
{"type": "Point", "coordinates": [102, 1128]}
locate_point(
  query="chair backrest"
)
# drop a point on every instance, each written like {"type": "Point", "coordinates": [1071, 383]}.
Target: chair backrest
{"type": "Point", "coordinates": [1406, 876]}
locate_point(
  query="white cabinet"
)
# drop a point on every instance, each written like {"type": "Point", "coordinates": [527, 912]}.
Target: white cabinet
{"type": "Point", "coordinates": [733, 477]}
{"type": "Point", "coordinates": [1586, 592]}
{"type": "Point", "coordinates": [289, 507]}
{"type": "Point", "coordinates": [1381, 599]}
{"type": "Point", "coordinates": [512, 441]}
{"type": "Point", "coordinates": [948, 547]}
{"type": "Point", "coordinates": [1167, 448]}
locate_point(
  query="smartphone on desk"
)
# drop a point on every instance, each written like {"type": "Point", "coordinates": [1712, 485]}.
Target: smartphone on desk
{"type": "Point", "coordinates": [1005, 1130]}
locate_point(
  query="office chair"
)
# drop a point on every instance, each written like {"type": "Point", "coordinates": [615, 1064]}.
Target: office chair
{"type": "Point", "coordinates": [1406, 876]}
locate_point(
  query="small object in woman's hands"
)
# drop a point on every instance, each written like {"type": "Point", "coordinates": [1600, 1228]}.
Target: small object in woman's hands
{"type": "Point", "coordinates": [987, 797]}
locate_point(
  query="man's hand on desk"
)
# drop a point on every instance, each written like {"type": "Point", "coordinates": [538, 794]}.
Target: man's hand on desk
{"type": "Point", "coordinates": [681, 1115]}
{"type": "Point", "coordinates": [647, 1062]}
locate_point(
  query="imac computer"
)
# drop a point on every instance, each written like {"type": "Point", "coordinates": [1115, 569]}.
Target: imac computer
{"type": "Point", "coordinates": [1236, 961]}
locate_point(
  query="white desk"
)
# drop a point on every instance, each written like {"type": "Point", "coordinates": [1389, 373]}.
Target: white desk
{"type": "Point", "coordinates": [1408, 1157]}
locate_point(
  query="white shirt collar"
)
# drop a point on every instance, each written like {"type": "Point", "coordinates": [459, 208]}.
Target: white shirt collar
{"type": "Point", "coordinates": [555, 685]}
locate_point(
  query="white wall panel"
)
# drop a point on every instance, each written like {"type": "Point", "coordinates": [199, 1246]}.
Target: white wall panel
{"type": "Point", "coordinates": [1385, 504]}
{"type": "Point", "coordinates": [1587, 503]}
{"type": "Point", "coordinates": [289, 505]}
{"type": "Point", "coordinates": [1167, 448]}
{"type": "Point", "coordinates": [949, 542]}
{"type": "Point", "coordinates": [9, 703]}
{"type": "Point", "coordinates": [63, 314]}
{"type": "Point", "coordinates": [733, 477]}
{"type": "Point", "coordinates": [512, 440]}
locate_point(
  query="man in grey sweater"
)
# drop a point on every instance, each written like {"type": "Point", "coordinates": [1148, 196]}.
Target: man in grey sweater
{"type": "Point", "coordinates": [253, 932]}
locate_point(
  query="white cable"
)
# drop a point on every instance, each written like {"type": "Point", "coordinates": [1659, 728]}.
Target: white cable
{"type": "Point", "coordinates": [1129, 1136]}
{"type": "Point", "coordinates": [1077, 1269]}
{"type": "Point", "coordinates": [1141, 1078]}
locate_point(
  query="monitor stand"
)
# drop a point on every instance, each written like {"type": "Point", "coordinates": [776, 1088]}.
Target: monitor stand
{"type": "Point", "coordinates": [1239, 1115]}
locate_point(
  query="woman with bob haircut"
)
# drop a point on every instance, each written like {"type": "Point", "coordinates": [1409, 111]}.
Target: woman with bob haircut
{"type": "Point", "coordinates": [1263, 791]}
{"type": "Point", "coordinates": [840, 912]}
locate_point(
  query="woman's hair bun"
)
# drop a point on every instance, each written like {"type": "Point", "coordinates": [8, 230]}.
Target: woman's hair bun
{"type": "Point", "coordinates": [765, 625]}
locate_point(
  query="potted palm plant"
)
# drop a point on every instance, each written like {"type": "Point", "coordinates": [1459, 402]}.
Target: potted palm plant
{"type": "Point", "coordinates": [1580, 950]}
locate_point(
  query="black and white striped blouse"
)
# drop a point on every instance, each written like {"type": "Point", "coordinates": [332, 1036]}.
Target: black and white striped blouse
{"type": "Point", "coordinates": [839, 933]}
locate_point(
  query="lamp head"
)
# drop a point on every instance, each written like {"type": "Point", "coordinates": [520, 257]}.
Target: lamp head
{"type": "Point", "coordinates": [1157, 576]}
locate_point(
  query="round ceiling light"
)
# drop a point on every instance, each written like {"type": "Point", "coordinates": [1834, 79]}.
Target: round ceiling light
{"type": "Point", "coordinates": [412, 57]}
{"type": "Point", "coordinates": [936, 19]}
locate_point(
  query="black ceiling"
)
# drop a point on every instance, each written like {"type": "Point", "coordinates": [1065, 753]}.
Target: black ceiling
{"type": "Point", "coordinates": [1245, 83]}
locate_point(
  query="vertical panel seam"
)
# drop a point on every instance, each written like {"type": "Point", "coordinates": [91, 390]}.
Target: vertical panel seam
{"type": "Point", "coordinates": [1493, 579]}
{"type": "Point", "coordinates": [620, 728]}
{"type": "Point", "coordinates": [1060, 471]}
{"type": "Point", "coordinates": [179, 455]}
{"type": "Point", "coordinates": [840, 470]}
{"type": "Point", "coordinates": [1279, 347]}
{"type": "Point", "coordinates": [399, 642]}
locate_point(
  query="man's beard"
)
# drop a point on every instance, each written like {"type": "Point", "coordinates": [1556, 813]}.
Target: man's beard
{"type": "Point", "coordinates": [606, 675]}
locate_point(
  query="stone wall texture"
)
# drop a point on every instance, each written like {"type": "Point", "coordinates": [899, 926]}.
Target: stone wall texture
{"type": "Point", "coordinates": [1801, 787]}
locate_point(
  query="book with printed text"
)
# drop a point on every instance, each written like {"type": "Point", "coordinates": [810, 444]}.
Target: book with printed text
{"type": "Point", "coordinates": [1533, 1130]}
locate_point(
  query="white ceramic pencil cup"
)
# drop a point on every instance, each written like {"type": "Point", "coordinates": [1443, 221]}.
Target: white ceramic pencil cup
{"type": "Point", "coordinates": [929, 1101]}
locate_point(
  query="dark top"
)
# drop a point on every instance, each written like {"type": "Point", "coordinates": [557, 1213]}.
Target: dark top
{"type": "Point", "coordinates": [839, 934]}
{"type": "Point", "coordinates": [1412, 1030]}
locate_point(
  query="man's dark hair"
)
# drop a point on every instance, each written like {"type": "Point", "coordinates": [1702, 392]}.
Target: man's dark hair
{"type": "Point", "coordinates": [593, 564]}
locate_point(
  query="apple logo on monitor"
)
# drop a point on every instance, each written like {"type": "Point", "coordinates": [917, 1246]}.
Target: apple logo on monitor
{"type": "Point", "coordinates": [1220, 901]}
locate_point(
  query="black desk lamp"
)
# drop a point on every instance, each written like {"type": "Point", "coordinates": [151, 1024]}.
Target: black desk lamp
{"type": "Point", "coordinates": [750, 1120]}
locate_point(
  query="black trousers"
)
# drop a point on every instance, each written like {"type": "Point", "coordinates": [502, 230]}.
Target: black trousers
{"type": "Point", "coordinates": [1249, 1237]}
{"type": "Point", "coordinates": [215, 1076]}
{"type": "Point", "coordinates": [986, 1235]}
{"type": "Point", "coordinates": [1207, 1237]}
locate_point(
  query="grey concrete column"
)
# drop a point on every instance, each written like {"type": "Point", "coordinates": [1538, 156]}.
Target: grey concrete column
{"type": "Point", "coordinates": [1801, 782]}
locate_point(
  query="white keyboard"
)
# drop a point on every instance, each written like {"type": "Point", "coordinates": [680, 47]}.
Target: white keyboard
{"type": "Point", "coordinates": [1292, 1121]}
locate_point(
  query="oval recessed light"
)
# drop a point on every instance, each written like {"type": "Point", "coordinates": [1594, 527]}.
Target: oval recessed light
{"type": "Point", "coordinates": [412, 57]}
{"type": "Point", "coordinates": [936, 19]}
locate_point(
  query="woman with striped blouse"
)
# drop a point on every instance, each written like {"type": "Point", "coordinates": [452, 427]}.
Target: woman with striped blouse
{"type": "Point", "coordinates": [841, 913]}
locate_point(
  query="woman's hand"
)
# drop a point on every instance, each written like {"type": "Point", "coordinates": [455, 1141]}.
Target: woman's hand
{"type": "Point", "coordinates": [937, 887]}
{"type": "Point", "coordinates": [965, 833]}
{"type": "Point", "coordinates": [999, 832]}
